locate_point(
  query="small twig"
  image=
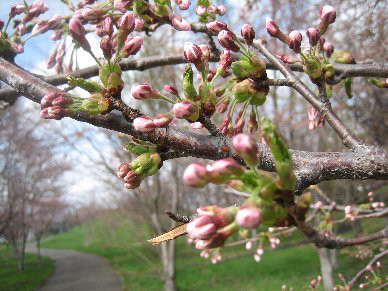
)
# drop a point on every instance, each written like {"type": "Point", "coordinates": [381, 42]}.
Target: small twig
{"type": "Point", "coordinates": [364, 270]}
{"type": "Point", "coordinates": [129, 113]}
{"type": "Point", "coordinates": [209, 125]}
{"type": "Point", "coordinates": [179, 218]}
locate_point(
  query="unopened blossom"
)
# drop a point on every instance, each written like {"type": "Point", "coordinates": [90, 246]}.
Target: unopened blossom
{"type": "Point", "coordinates": [204, 254]}
{"type": "Point", "coordinates": [54, 112]}
{"type": "Point", "coordinates": [179, 23]}
{"type": "Point", "coordinates": [34, 10]}
{"type": "Point", "coordinates": [257, 258]}
{"type": "Point", "coordinates": [16, 9]}
{"type": "Point", "coordinates": [318, 205]}
{"type": "Point", "coordinates": [378, 265]}
{"type": "Point", "coordinates": [143, 124]}
{"type": "Point", "coordinates": [272, 27]}
{"type": "Point", "coordinates": [315, 119]}
{"type": "Point", "coordinates": [220, 171]}
{"type": "Point", "coordinates": [186, 110]}
{"type": "Point", "coordinates": [295, 41]}
{"type": "Point", "coordinates": [144, 91]}
{"type": "Point", "coordinates": [183, 4]}
{"type": "Point", "coordinates": [171, 89]}
{"type": "Point", "coordinates": [51, 61]}
{"type": "Point", "coordinates": [107, 26]}
{"type": "Point", "coordinates": [202, 227]}
{"type": "Point", "coordinates": [200, 10]}
{"type": "Point", "coordinates": [192, 52]}
{"type": "Point", "coordinates": [222, 107]}
{"type": "Point", "coordinates": [122, 5]}
{"type": "Point", "coordinates": [123, 170]}
{"type": "Point", "coordinates": [328, 48]}
{"type": "Point", "coordinates": [216, 258]}
{"type": "Point", "coordinates": [221, 10]}
{"type": "Point", "coordinates": [273, 241]}
{"type": "Point", "coordinates": [132, 46]}
{"type": "Point", "coordinates": [57, 35]}
{"type": "Point", "coordinates": [369, 268]}
{"type": "Point", "coordinates": [246, 147]}
{"type": "Point", "coordinates": [62, 101]}
{"type": "Point", "coordinates": [216, 26]}
{"type": "Point", "coordinates": [212, 9]}
{"type": "Point", "coordinates": [313, 36]}
{"type": "Point", "coordinates": [196, 175]}
{"type": "Point", "coordinates": [106, 46]}
{"type": "Point", "coordinates": [328, 14]}
{"type": "Point", "coordinates": [226, 60]}
{"type": "Point", "coordinates": [248, 33]}
{"type": "Point", "coordinates": [351, 212]}
{"type": "Point", "coordinates": [43, 26]}
{"type": "Point", "coordinates": [227, 40]}
{"type": "Point", "coordinates": [139, 23]}
{"type": "Point", "coordinates": [126, 23]}
{"type": "Point", "coordinates": [249, 217]}
{"type": "Point", "coordinates": [131, 179]}
{"type": "Point", "coordinates": [162, 120]}
{"type": "Point", "coordinates": [21, 29]}
{"type": "Point", "coordinates": [249, 245]}
{"type": "Point", "coordinates": [77, 31]}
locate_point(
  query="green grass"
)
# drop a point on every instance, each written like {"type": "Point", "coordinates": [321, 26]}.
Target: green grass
{"type": "Point", "coordinates": [35, 273]}
{"type": "Point", "coordinates": [123, 244]}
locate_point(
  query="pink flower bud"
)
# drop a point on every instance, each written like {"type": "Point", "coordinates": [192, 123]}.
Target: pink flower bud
{"type": "Point", "coordinates": [122, 5]}
{"type": "Point", "coordinates": [57, 112]}
{"type": "Point", "coordinates": [183, 4]}
{"type": "Point", "coordinates": [21, 29]}
{"type": "Point", "coordinates": [106, 46]}
{"type": "Point", "coordinates": [47, 99]}
{"type": "Point", "coordinates": [313, 35]}
{"type": "Point", "coordinates": [170, 89]}
{"type": "Point", "coordinates": [179, 23]}
{"type": "Point", "coordinates": [315, 119]}
{"type": "Point", "coordinates": [144, 91]}
{"type": "Point", "coordinates": [205, 51]}
{"type": "Point", "coordinates": [126, 22]}
{"type": "Point", "coordinates": [51, 60]}
{"type": "Point", "coordinates": [295, 41]}
{"type": "Point", "coordinates": [202, 227]}
{"type": "Point", "coordinates": [192, 52]}
{"type": "Point", "coordinates": [196, 175]}
{"type": "Point", "coordinates": [369, 268]}
{"type": "Point", "coordinates": [226, 60]}
{"type": "Point", "coordinates": [143, 124]}
{"type": "Point", "coordinates": [221, 9]}
{"type": "Point", "coordinates": [139, 23]}
{"type": "Point", "coordinates": [226, 39]}
{"type": "Point", "coordinates": [212, 9]}
{"type": "Point", "coordinates": [222, 107]}
{"type": "Point", "coordinates": [249, 217]}
{"type": "Point", "coordinates": [123, 170]}
{"type": "Point", "coordinates": [77, 31]}
{"type": "Point", "coordinates": [248, 34]}
{"type": "Point", "coordinates": [328, 14]}
{"type": "Point", "coordinates": [132, 45]}
{"type": "Point", "coordinates": [318, 205]}
{"type": "Point", "coordinates": [220, 171]}
{"type": "Point", "coordinates": [16, 9]}
{"type": "Point", "coordinates": [62, 101]}
{"type": "Point", "coordinates": [185, 110]}
{"type": "Point", "coordinates": [107, 26]}
{"type": "Point", "coordinates": [200, 10]}
{"type": "Point", "coordinates": [272, 27]}
{"type": "Point", "coordinates": [328, 48]}
{"type": "Point", "coordinates": [246, 147]}
{"type": "Point", "coordinates": [162, 120]}
{"type": "Point", "coordinates": [133, 185]}
{"type": "Point", "coordinates": [378, 265]}
{"type": "Point", "coordinates": [216, 26]}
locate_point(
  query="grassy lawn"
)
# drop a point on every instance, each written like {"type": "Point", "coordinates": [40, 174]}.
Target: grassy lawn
{"type": "Point", "coordinates": [138, 262]}
{"type": "Point", "coordinates": [36, 271]}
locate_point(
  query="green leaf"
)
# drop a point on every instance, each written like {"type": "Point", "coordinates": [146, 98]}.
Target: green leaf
{"type": "Point", "coordinates": [348, 87]}
{"type": "Point", "coordinates": [188, 84]}
{"type": "Point", "coordinates": [139, 149]}
{"type": "Point", "coordinates": [90, 86]}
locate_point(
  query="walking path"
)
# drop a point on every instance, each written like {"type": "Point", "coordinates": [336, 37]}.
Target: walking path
{"type": "Point", "coordinates": [78, 271]}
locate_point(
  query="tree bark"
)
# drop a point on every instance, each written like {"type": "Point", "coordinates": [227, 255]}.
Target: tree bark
{"type": "Point", "coordinates": [326, 269]}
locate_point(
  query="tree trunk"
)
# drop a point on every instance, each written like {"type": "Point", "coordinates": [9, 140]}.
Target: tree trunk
{"type": "Point", "coordinates": [38, 246]}
{"type": "Point", "coordinates": [326, 269]}
{"type": "Point", "coordinates": [334, 259]}
{"type": "Point", "coordinates": [168, 266]}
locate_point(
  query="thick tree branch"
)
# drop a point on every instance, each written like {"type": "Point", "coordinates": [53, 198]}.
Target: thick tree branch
{"type": "Point", "coordinates": [310, 168]}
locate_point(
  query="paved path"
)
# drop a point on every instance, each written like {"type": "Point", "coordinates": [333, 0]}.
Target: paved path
{"type": "Point", "coordinates": [76, 271]}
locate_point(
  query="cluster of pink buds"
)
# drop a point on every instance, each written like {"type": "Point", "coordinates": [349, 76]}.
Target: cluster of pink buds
{"type": "Point", "coordinates": [212, 226]}
{"type": "Point", "coordinates": [131, 179]}
{"type": "Point", "coordinates": [197, 54]}
{"type": "Point", "coordinates": [258, 254]}
{"type": "Point", "coordinates": [147, 124]}
{"type": "Point", "coordinates": [274, 242]}
{"type": "Point", "coordinates": [376, 205]}
{"type": "Point", "coordinates": [144, 91]}
{"type": "Point", "coordinates": [55, 106]}
{"type": "Point", "coordinates": [315, 282]}
{"type": "Point", "coordinates": [212, 9]}
{"type": "Point", "coordinates": [199, 175]}
{"type": "Point", "coordinates": [122, 5]}
{"type": "Point", "coordinates": [351, 212]}
{"type": "Point", "coordinates": [34, 10]}
{"type": "Point", "coordinates": [315, 119]}
{"type": "Point", "coordinates": [43, 26]}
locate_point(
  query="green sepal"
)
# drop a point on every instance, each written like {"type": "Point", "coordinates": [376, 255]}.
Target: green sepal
{"type": "Point", "coordinates": [106, 70]}
{"type": "Point", "coordinates": [348, 87]}
{"type": "Point", "coordinates": [304, 201]}
{"type": "Point", "coordinates": [247, 89]}
{"type": "Point", "coordinates": [342, 57]}
{"type": "Point", "coordinates": [146, 164]}
{"type": "Point", "coordinates": [267, 186]}
{"type": "Point", "coordinates": [329, 90]}
{"type": "Point", "coordinates": [282, 157]}
{"type": "Point", "coordinates": [188, 84]}
{"type": "Point", "coordinates": [249, 68]}
{"type": "Point", "coordinates": [271, 212]}
{"type": "Point", "coordinates": [90, 86]}
{"type": "Point", "coordinates": [139, 149]}
{"type": "Point", "coordinates": [329, 71]}
{"type": "Point", "coordinates": [139, 7]}
{"type": "Point", "coordinates": [378, 83]}
{"type": "Point", "coordinates": [313, 68]}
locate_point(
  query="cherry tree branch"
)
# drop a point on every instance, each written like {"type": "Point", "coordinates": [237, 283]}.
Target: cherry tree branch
{"type": "Point", "coordinates": [310, 167]}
